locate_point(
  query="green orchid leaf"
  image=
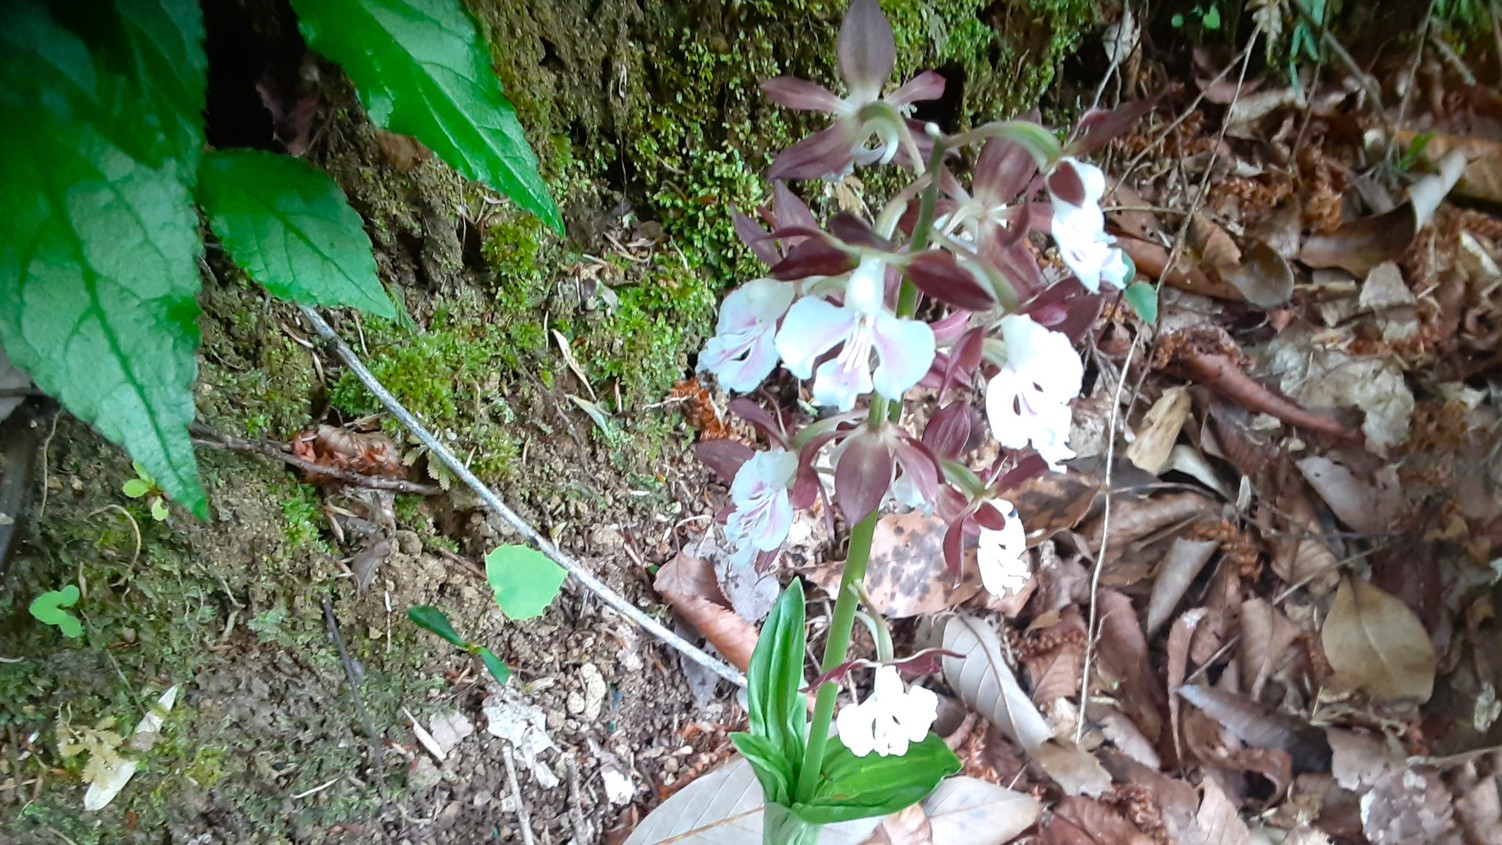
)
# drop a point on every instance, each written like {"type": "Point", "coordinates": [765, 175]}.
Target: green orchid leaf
{"type": "Point", "coordinates": [435, 621]}
{"type": "Point", "coordinates": [524, 580]}
{"type": "Point", "coordinates": [852, 787]}
{"type": "Point", "coordinates": [422, 69]}
{"type": "Point", "coordinates": [773, 771]}
{"type": "Point", "coordinates": [48, 608]}
{"type": "Point", "coordinates": [777, 710]}
{"type": "Point", "coordinates": [99, 251]}
{"type": "Point", "coordinates": [1142, 298]}
{"type": "Point", "coordinates": [494, 665]}
{"type": "Point", "coordinates": [290, 228]}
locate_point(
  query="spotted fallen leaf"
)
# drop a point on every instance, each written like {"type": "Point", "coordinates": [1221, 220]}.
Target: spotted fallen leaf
{"type": "Point", "coordinates": [1376, 643]}
{"type": "Point", "coordinates": [906, 575]}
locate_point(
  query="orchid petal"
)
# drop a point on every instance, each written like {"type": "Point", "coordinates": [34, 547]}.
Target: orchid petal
{"type": "Point", "coordinates": [928, 85]}
{"type": "Point", "coordinates": [801, 95]}
{"type": "Point", "coordinates": [839, 382]}
{"type": "Point", "coordinates": [1002, 556]}
{"type": "Point", "coordinates": [1002, 172]}
{"type": "Point", "coordinates": [827, 153]}
{"type": "Point", "coordinates": [905, 349]}
{"type": "Point", "coordinates": [867, 50]}
{"type": "Point", "coordinates": [811, 328]}
{"type": "Point", "coordinates": [862, 474]}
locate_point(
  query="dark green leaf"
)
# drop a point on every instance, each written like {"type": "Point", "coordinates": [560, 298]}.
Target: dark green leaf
{"type": "Point", "coordinates": [777, 710]}
{"type": "Point", "coordinates": [163, 47]}
{"type": "Point", "coordinates": [1143, 300]}
{"type": "Point", "coordinates": [434, 620]}
{"type": "Point", "coordinates": [524, 580]}
{"type": "Point", "coordinates": [852, 787]}
{"type": "Point", "coordinates": [422, 69]}
{"type": "Point", "coordinates": [773, 771]}
{"type": "Point", "coordinates": [98, 254]}
{"type": "Point", "coordinates": [290, 228]}
{"type": "Point", "coordinates": [492, 663]}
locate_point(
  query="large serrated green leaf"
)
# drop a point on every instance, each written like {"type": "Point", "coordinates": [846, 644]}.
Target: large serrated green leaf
{"type": "Point", "coordinates": [290, 228]}
{"type": "Point", "coordinates": [164, 48]}
{"type": "Point", "coordinates": [422, 69]}
{"type": "Point", "coordinates": [98, 254]}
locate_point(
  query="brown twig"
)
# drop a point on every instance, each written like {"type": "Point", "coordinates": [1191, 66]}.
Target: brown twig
{"type": "Point", "coordinates": [205, 436]}
{"type": "Point", "coordinates": [1222, 374]}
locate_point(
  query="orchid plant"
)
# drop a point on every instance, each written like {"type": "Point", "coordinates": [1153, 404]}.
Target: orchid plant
{"type": "Point", "coordinates": [943, 293]}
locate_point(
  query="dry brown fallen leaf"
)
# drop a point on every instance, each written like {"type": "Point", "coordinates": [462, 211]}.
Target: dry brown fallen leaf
{"type": "Point", "coordinates": [1217, 822]}
{"type": "Point", "coordinates": [907, 575]}
{"type": "Point", "coordinates": [1359, 245]}
{"type": "Point", "coordinates": [688, 584]}
{"type": "Point", "coordinates": [1159, 431]}
{"type": "Point", "coordinates": [1369, 503]}
{"type": "Point", "coordinates": [1053, 503]}
{"type": "Point", "coordinates": [1376, 643]}
{"type": "Point", "coordinates": [1483, 173]}
{"type": "Point", "coordinates": [1185, 558]}
{"type": "Point", "coordinates": [985, 681]}
{"type": "Point", "coordinates": [1151, 261]}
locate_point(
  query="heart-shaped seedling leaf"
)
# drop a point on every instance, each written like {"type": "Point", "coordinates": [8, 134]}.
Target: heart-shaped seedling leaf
{"type": "Point", "coordinates": [48, 608]}
{"type": "Point", "coordinates": [433, 620]}
{"type": "Point", "coordinates": [524, 580]}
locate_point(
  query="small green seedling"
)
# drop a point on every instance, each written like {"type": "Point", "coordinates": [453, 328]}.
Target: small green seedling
{"type": "Point", "coordinates": [1208, 18]}
{"type": "Point", "coordinates": [48, 608]}
{"type": "Point", "coordinates": [525, 581]}
{"type": "Point", "coordinates": [143, 486]}
{"type": "Point", "coordinates": [436, 621]}
{"type": "Point", "coordinates": [1142, 298]}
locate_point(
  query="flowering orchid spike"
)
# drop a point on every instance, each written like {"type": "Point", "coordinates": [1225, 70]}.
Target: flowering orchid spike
{"type": "Point", "coordinates": [743, 351]}
{"type": "Point", "coordinates": [1028, 400]}
{"type": "Point", "coordinates": [1002, 555]}
{"type": "Point", "coordinates": [867, 53]}
{"type": "Point", "coordinates": [904, 348]}
{"type": "Point", "coordinates": [890, 719]}
{"type": "Point", "coordinates": [762, 514]}
{"type": "Point", "coordinates": [1079, 226]}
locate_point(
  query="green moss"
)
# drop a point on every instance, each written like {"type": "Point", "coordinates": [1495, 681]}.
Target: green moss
{"type": "Point", "coordinates": [304, 514]}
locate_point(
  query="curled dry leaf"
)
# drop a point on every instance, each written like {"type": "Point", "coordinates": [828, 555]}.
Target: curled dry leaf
{"type": "Point", "coordinates": [688, 584]}
{"type": "Point", "coordinates": [1303, 557]}
{"type": "Point", "coordinates": [1181, 565]}
{"type": "Point", "coordinates": [1217, 822]}
{"type": "Point", "coordinates": [1260, 727]}
{"type": "Point", "coordinates": [1053, 502]}
{"type": "Point", "coordinates": [1160, 430]}
{"type": "Point", "coordinates": [1263, 276]}
{"type": "Point", "coordinates": [1078, 820]}
{"type": "Point", "coordinates": [1266, 636]}
{"type": "Point", "coordinates": [1136, 518]}
{"type": "Point", "coordinates": [906, 575]}
{"type": "Point", "coordinates": [1123, 655]}
{"type": "Point", "coordinates": [1483, 174]}
{"type": "Point", "coordinates": [1375, 643]}
{"type": "Point", "coordinates": [984, 681]}
{"type": "Point", "coordinates": [1360, 245]}
{"type": "Point", "coordinates": [1368, 503]}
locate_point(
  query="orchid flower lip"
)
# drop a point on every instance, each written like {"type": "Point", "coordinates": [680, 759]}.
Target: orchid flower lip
{"type": "Point", "coordinates": [890, 719]}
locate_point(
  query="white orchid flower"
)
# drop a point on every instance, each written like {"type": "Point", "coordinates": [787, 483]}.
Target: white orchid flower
{"type": "Point", "coordinates": [1027, 402]}
{"type": "Point", "coordinates": [891, 718]}
{"type": "Point", "coordinates": [743, 351]}
{"type": "Point", "coordinates": [1002, 555]}
{"type": "Point", "coordinates": [1079, 227]}
{"type": "Point", "coordinates": [904, 348]}
{"type": "Point", "coordinates": [762, 514]}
